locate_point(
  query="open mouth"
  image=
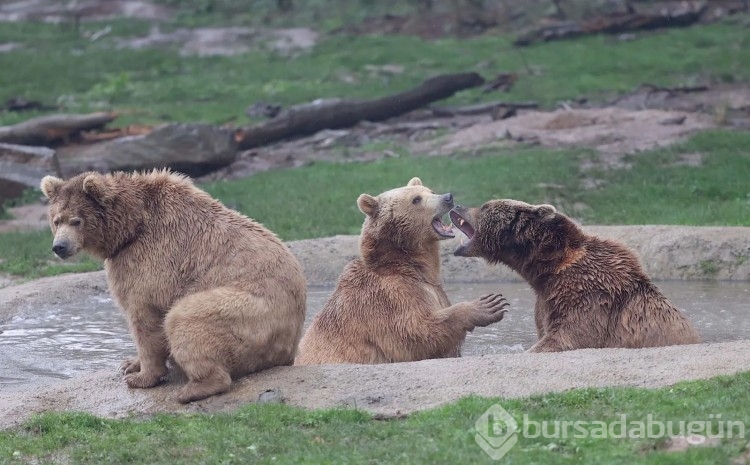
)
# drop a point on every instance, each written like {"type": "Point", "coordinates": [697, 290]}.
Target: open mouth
{"type": "Point", "coordinates": [443, 230]}
{"type": "Point", "coordinates": [462, 224]}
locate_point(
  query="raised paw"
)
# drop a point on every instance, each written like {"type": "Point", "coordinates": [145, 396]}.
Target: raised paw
{"type": "Point", "coordinates": [489, 308]}
{"type": "Point", "coordinates": [143, 379]}
{"type": "Point", "coordinates": [130, 365]}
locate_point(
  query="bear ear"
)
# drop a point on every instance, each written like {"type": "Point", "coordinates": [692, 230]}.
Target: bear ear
{"type": "Point", "coordinates": [50, 185]}
{"type": "Point", "coordinates": [545, 212]}
{"type": "Point", "coordinates": [367, 204]}
{"type": "Point", "coordinates": [414, 182]}
{"type": "Point", "coordinates": [95, 186]}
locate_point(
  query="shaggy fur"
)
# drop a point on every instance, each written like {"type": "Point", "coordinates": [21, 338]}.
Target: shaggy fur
{"type": "Point", "coordinates": [214, 289]}
{"type": "Point", "coordinates": [389, 305]}
{"type": "Point", "coordinates": [591, 292]}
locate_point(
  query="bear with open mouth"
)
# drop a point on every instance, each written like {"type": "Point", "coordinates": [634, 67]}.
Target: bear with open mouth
{"type": "Point", "coordinates": [389, 305]}
{"type": "Point", "coordinates": [591, 292]}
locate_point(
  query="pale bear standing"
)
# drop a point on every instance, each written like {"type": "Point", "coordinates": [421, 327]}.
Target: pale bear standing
{"type": "Point", "coordinates": [388, 304]}
{"type": "Point", "coordinates": [214, 289]}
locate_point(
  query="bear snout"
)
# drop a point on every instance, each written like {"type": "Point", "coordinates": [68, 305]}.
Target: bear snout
{"type": "Point", "coordinates": [448, 199]}
{"type": "Point", "coordinates": [62, 249]}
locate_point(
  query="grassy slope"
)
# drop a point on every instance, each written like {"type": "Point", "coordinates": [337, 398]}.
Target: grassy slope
{"type": "Point", "coordinates": [280, 434]}
{"type": "Point", "coordinates": [151, 86]}
{"type": "Point", "coordinates": [655, 190]}
{"type": "Point", "coordinates": [293, 204]}
{"type": "Point", "coordinates": [157, 85]}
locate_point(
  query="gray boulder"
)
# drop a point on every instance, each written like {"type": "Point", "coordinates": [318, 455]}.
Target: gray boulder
{"type": "Point", "coordinates": [23, 167]}
{"type": "Point", "coordinates": [193, 149]}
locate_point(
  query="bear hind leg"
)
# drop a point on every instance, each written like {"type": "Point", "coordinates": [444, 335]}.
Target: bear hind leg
{"type": "Point", "coordinates": [215, 335]}
{"type": "Point", "coordinates": [217, 382]}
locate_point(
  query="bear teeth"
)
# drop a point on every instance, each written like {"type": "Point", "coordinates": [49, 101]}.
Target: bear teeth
{"type": "Point", "coordinates": [461, 222]}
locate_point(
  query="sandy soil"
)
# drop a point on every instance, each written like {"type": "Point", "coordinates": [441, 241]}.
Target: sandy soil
{"type": "Point", "coordinates": [673, 253]}
{"type": "Point", "coordinates": [606, 130]}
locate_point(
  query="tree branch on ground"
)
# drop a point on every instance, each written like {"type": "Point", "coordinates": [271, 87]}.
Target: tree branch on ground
{"type": "Point", "coordinates": [53, 129]}
{"type": "Point", "coordinates": [338, 114]}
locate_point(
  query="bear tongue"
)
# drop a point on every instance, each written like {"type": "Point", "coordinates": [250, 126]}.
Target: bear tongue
{"type": "Point", "coordinates": [443, 230]}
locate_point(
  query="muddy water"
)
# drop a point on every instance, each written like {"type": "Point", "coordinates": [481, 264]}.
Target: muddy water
{"type": "Point", "coordinates": [42, 345]}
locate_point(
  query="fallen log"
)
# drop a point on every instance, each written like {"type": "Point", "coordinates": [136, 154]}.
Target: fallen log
{"type": "Point", "coordinates": [480, 108]}
{"type": "Point", "coordinates": [340, 114]}
{"type": "Point", "coordinates": [676, 17]}
{"type": "Point", "coordinates": [53, 129]}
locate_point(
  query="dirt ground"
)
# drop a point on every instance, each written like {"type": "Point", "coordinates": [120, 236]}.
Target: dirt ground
{"type": "Point", "coordinates": [631, 123]}
{"type": "Point", "coordinates": [226, 41]}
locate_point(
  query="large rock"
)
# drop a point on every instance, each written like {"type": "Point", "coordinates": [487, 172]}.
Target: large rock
{"type": "Point", "coordinates": [193, 149]}
{"type": "Point", "coordinates": [23, 167]}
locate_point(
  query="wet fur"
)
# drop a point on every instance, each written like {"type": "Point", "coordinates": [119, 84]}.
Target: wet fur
{"type": "Point", "coordinates": [389, 305]}
{"type": "Point", "coordinates": [213, 289]}
{"type": "Point", "coordinates": [591, 292]}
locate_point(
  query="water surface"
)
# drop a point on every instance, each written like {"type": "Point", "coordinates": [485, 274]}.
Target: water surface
{"type": "Point", "coordinates": [39, 346]}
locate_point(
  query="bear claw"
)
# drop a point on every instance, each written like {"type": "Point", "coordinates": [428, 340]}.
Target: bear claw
{"type": "Point", "coordinates": [130, 365]}
{"type": "Point", "coordinates": [490, 308]}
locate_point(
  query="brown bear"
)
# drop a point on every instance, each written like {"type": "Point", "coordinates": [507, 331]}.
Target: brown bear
{"type": "Point", "coordinates": [388, 305]}
{"type": "Point", "coordinates": [216, 292]}
{"type": "Point", "coordinates": [591, 292]}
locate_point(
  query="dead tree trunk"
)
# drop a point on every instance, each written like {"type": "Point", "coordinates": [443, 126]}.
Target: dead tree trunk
{"type": "Point", "coordinates": [613, 25]}
{"type": "Point", "coordinates": [347, 113]}
{"type": "Point", "coordinates": [52, 129]}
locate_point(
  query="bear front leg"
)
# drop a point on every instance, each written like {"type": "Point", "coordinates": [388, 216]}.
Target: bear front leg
{"type": "Point", "coordinates": [465, 316]}
{"type": "Point", "coordinates": [547, 343]}
{"type": "Point", "coordinates": [558, 339]}
{"type": "Point", "coordinates": [484, 311]}
{"type": "Point", "coordinates": [150, 366]}
{"type": "Point", "coordinates": [540, 317]}
{"type": "Point", "coordinates": [130, 365]}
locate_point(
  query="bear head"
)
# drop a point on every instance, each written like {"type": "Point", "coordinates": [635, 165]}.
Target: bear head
{"type": "Point", "coordinates": [86, 214]}
{"type": "Point", "coordinates": [405, 218]}
{"type": "Point", "coordinates": [514, 233]}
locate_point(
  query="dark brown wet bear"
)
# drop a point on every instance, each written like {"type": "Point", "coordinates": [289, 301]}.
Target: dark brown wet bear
{"type": "Point", "coordinates": [591, 292]}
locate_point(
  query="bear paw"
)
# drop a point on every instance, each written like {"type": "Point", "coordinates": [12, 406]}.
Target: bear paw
{"type": "Point", "coordinates": [489, 308]}
{"type": "Point", "coordinates": [130, 365]}
{"type": "Point", "coordinates": [143, 379]}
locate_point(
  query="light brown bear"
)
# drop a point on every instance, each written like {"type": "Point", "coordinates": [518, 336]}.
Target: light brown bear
{"type": "Point", "coordinates": [213, 289]}
{"type": "Point", "coordinates": [591, 292]}
{"type": "Point", "coordinates": [388, 304]}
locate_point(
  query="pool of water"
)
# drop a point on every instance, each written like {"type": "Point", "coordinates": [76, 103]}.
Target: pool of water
{"type": "Point", "coordinates": [40, 346]}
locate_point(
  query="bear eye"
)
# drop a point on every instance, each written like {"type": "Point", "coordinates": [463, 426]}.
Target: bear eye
{"type": "Point", "coordinates": [56, 222]}
{"type": "Point", "coordinates": [75, 222]}
{"type": "Point", "coordinates": [416, 200]}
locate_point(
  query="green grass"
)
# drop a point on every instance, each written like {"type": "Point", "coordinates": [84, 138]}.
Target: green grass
{"type": "Point", "coordinates": [320, 200]}
{"type": "Point", "coordinates": [29, 255]}
{"type": "Point", "coordinates": [302, 203]}
{"type": "Point", "coordinates": [152, 86]}
{"type": "Point", "coordinates": [278, 434]}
